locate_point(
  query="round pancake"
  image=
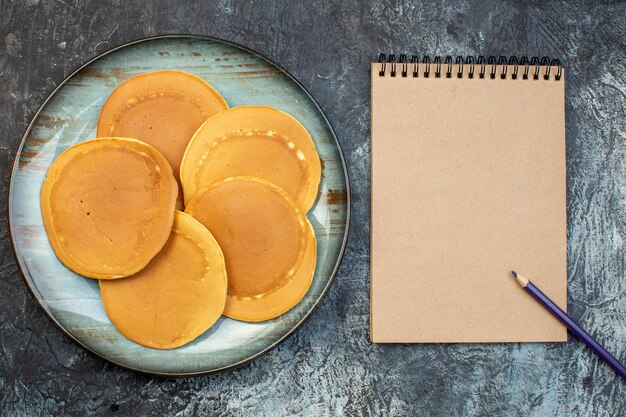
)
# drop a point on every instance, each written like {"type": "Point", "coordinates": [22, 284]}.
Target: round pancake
{"type": "Point", "coordinates": [178, 296]}
{"type": "Point", "coordinates": [108, 206]}
{"type": "Point", "coordinates": [268, 245]}
{"type": "Point", "coordinates": [275, 303]}
{"type": "Point", "coordinates": [254, 141]}
{"type": "Point", "coordinates": [162, 108]}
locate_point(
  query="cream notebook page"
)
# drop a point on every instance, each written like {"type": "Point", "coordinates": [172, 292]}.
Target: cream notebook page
{"type": "Point", "coordinates": [468, 183]}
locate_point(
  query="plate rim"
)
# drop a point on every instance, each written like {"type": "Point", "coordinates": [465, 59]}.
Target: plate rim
{"type": "Point", "coordinates": [295, 327]}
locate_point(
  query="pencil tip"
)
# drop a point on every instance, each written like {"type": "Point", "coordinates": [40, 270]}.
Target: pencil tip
{"type": "Point", "coordinates": [520, 279]}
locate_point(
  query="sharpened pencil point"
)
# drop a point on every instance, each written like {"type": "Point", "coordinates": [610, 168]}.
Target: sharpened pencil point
{"type": "Point", "coordinates": [520, 279]}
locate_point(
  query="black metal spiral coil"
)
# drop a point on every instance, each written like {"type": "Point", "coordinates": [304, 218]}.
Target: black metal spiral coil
{"type": "Point", "coordinates": [477, 66]}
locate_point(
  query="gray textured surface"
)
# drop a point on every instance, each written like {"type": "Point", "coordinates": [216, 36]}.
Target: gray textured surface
{"type": "Point", "coordinates": [329, 367]}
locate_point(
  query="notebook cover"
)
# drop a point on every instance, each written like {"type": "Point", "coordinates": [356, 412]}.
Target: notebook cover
{"type": "Point", "coordinates": [468, 183]}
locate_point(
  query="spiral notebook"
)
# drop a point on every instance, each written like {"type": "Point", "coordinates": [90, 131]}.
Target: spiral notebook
{"type": "Point", "coordinates": [468, 183]}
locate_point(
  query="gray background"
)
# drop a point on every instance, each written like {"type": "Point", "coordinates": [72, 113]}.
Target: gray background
{"type": "Point", "coordinates": [329, 367]}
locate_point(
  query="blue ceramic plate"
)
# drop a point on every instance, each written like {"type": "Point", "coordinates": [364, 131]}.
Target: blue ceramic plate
{"type": "Point", "coordinates": [70, 115]}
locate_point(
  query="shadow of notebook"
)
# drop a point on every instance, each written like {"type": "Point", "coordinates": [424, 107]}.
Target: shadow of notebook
{"type": "Point", "coordinates": [468, 182]}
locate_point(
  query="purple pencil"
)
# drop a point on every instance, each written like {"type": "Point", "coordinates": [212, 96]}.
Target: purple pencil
{"type": "Point", "coordinates": [571, 324]}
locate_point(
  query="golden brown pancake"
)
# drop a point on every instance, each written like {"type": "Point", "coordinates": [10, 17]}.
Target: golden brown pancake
{"type": "Point", "coordinates": [162, 108]}
{"type": "Point", "coordinates": [108, 206]}
{"type": "Point", "coordinates": [178, 296]}
{"type": "Point", "coordinates": [268, 244]}
{"type": "Point", "coordinates": [254, 141]}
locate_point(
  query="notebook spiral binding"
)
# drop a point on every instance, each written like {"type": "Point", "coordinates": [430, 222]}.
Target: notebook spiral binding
{"type": "Point", "coordinates": [544, 64]}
